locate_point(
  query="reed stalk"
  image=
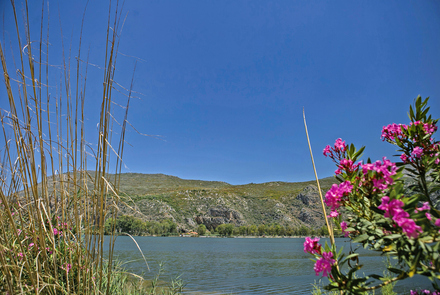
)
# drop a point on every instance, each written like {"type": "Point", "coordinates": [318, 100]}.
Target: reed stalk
{"type": "Point", "coordinates": [53, 208]}
{"type": "Point", "coordinates": [329, 227]}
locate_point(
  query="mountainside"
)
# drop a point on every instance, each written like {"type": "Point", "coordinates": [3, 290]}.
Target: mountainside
{"type": "Point", "coordinates": [192, 202]}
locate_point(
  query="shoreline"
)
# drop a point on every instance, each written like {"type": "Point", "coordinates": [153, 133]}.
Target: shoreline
{"type": "Point", "coordinates": [228, 237]}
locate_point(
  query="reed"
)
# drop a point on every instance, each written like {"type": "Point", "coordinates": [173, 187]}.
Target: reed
{"type": "Point", "coordinates": [329, 227]}
{"type": "Point", "coordinates": [52, 208]}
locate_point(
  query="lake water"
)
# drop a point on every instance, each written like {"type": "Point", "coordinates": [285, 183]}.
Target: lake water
{"type": "Point", "coordinates": [238, 265]}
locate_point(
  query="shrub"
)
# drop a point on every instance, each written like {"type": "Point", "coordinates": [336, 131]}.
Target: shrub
{"type": "Point", "coordinates": [382, 213]}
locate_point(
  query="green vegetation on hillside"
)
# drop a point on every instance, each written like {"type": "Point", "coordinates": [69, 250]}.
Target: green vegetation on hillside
{"type": "Point", "coordinates": [137, 227]}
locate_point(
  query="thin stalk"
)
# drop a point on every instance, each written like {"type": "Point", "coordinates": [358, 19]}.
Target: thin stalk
{"type": "Point", "coordinates": [329, 228]}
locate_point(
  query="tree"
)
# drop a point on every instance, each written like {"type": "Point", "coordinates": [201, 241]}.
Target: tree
{"type": "Point", "coordinates": [252, 230]}
{"type": "Point", "coordinates": [290, 231]}
{"type": "Point", "coordinates": [201, 229]}
{"type": "Point", "coordinates": [229, 229]}
{"type": "Point", "coordinates": [303, 230]}
{"type": "Point", "coordinates": [261, 229]}
{"type": "Point", "coordinates": [221, 230]}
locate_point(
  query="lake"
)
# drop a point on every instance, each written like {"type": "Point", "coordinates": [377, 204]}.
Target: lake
{"type": "Point", "coordinates": [238, 265]}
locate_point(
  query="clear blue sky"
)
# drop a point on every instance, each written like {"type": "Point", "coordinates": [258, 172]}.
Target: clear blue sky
{"type": "Point", "coordinates": [224, 83]}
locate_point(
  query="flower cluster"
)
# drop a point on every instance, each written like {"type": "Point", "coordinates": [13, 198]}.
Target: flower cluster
{"type": "Point", "coordinates": [394, 209]}
{"type": "Point", "coordinates": [431, 150]}
{"type": "Point", "coordinates": [344, 227]}
{"type": "Point", "coordinates": [334, 197]}
{"type": "Point", "coordinates": [347, 165]}
{"type": "Point", "coordinates": [325, 261]}
{"type": "Point", "coordinates": [393, 131]}
{"type": "Point", "coordinates": [416, 136]}
{"type": "Point", "coordinates": [311, 246]}
{"type": "Point", "coordinates": [337, 152]}
{"type": "Point", "coordinates": [324, 264]}
{"type": "Point", "coordinates": [429, 128]}
{"type": "Point", "coordinates": [413, 292]}
{"type": "Point", "coordinates": [382, 177]}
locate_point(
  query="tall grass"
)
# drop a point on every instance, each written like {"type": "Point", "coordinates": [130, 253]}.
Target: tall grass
{"type": "Point", "coordinates": [52, 207]}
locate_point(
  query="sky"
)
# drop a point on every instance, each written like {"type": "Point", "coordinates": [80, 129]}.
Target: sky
{"type": "Point", "coordinates": [223, 84]}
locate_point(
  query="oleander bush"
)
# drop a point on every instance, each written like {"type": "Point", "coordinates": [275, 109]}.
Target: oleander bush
{"type": "Point", "coordinates": [381, 213]}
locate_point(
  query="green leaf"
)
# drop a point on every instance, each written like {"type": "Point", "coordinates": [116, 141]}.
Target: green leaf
{"type": "Point", "coordinates": [395, 270]}
{"type": "Point", "coordinates": [358, 153]}
{"type": "Point", "coordinates": [411, 113]}
{"type": "Point", "coordinates": [360, 238]}
{"type": "Point", "coordinates": [352, 255]}
{"type": "Point", "coordinates": [375, 276]}
{"type": "Point", "coordinates": [418, 102]}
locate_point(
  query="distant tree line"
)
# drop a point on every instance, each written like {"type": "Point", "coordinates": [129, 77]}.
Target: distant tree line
{"type": "Point", "coordinates": [138, 227]}
{"type": "Point", "coordinates": [268, 230]}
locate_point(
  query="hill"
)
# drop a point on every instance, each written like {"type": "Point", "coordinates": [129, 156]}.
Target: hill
{"type": "Point", "coordinates": [156, 197]}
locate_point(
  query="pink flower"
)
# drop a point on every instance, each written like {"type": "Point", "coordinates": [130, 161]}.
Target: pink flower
{"type": "Point", "coordinates": [324, 264]}
{"type": "Point", "coordinates": [67, 267]}
{"type": "Point", "coordinates": [344, 226]}
{"type": "Point", "coordinates": [404, 158]}
{"type": "Point", "coordinates": [55, 231]}
{"type": "Point", "coordinates": [424, 207]}
{"type": "Point", "coordinates": [334, 196]}
{"type": "Point", "coordinates": [347, 165]}
{"type": "Point", "coordinates": [417, 152]}
{"type": "Point", "coordinates": [336, 152]}
{"type": "Point", "coordinates": [31, 245]}
{"type": "Point", "coordinates": [339, 144]}
{"type": "Point", "coordinates": [345, 187]}
{"type": "Point", "coordinates": [415, 123]}
{"type": "Point", "coordinates": [382, 178]}
{"type": "Point", "coordinates": [392, 208]}
{"type": "Point", "coordinates": [428, 216]}
{"type": "Point", "coordinates": [429, 128]}
{"type": "Point", "coordinates": [437, 222]}
{"type": "Point", "coordinates": [327, 151]}
{"type": "Point", "coordinates": [333, 214]}
{"type": "Point", "coordinates": [393, 131]}
{"type": "Point", "coordinates": [311, 246]}
{"type": "Point", "coordinates": [409, 227]}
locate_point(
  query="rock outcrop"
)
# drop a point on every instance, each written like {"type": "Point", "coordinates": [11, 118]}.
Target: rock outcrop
{"type": "Point", "coordinates": [308, 195]}
{"type": "Point", "coordinates": [217, 216]}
